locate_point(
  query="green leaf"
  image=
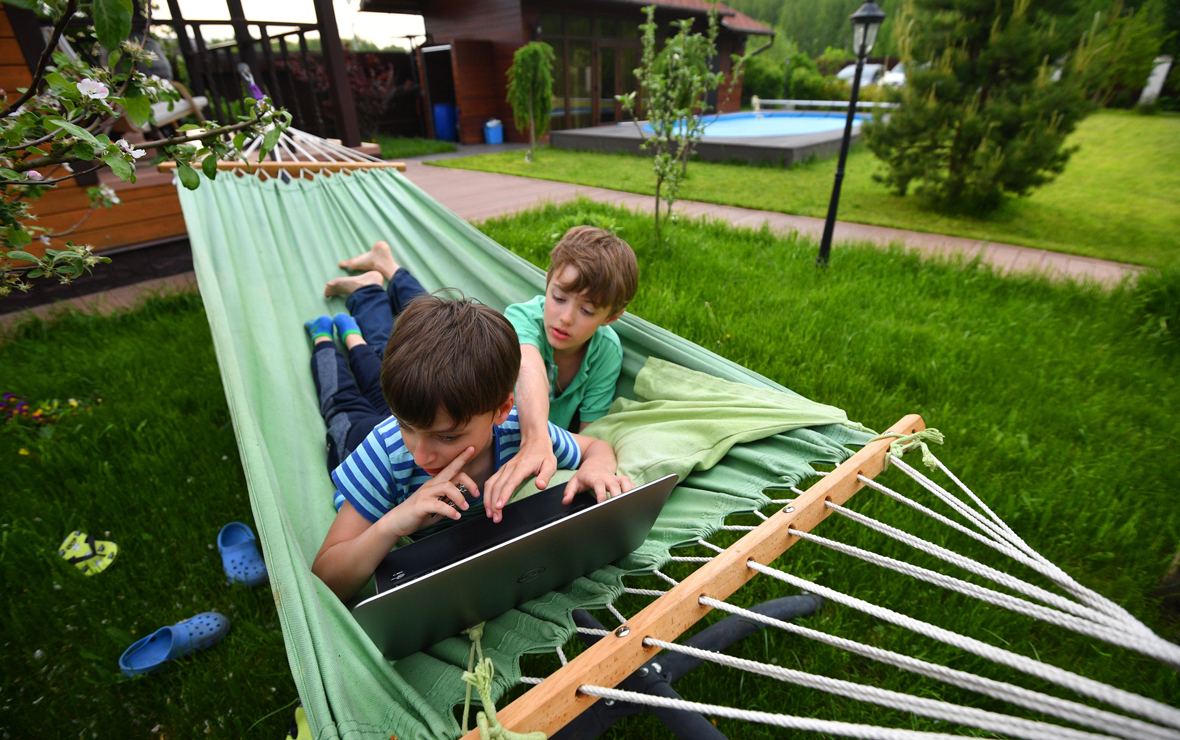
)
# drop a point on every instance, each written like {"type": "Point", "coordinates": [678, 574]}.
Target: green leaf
{"type": "Point", "coordinates": [209, 166]}
{"type": "Point", "coordinates": [18, 237]}
{"type": "Point", "coordinates": [8, 174]}
{"type": "Point", "coordinates": [239, 140]}
{"type": "Point", "coordinates": [36, 273]}
{"type": "Point", "coordinates": [188, 176]}
{"type": "Point", "coordinates": [268, 142]}
{"type": "Point", "coordinates": [123, 169]}
{"type": "Point", "coordinates": [61, 83]}
{"type": "Point", "coordinates": [187, 127]}
{"type": "Point", "coordinates": [17, 254]}
{"type": "Point", "coordinates": [84, 150]}
{"type": "Point", "coordinates": [70, 128]}
{"type": "Point", "coordinates": [139, 108]}
{"type": "Point", "coordinates": [112, 22]}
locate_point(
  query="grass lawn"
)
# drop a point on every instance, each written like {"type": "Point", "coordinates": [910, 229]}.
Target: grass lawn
{"type": "Point", "coordinates": [1118, 199]}
{"type": "Point", "coordinates": [1060, 408]}
{"type": "Point", "coordinates": [393, 147]}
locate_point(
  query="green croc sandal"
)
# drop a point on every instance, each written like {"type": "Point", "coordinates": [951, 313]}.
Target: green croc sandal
{"type": "Point", "coordinates": [87, 554]}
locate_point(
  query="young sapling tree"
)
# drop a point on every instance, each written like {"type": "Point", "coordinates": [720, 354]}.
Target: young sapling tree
{"type": "Point", "coordinates": [530, 90]}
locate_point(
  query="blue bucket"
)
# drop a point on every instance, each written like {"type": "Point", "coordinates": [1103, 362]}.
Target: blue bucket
{"type": "Point", "coordinates": [444, 122]}
{"type": "Point", "coordinates": [493, 133]}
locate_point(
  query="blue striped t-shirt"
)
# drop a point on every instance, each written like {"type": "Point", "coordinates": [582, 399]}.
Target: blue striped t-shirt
{"type": "Point", "coordinates": [380, 473]}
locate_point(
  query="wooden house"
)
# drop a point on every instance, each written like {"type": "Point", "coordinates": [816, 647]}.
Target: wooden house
{"type": "Point", "coordinates": [597, 45]}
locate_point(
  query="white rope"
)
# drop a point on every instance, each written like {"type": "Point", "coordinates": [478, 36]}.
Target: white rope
{"type": "Point", "coordinates": [1117, 724]}
{"type": "Point", "coordinates": [666, 577]}
{"type": "Point", "coordinates": [644, 592]}
{"type": "Point", "coordinates": [592, 631]}
{"type": "Point", "coordinates": [617, 614]}
{"type": "Point", "coordinates": [843, 729]}
{"type": "Point", "coordinates": [688, 559]}
{"type": "Point", "coordinates": [1000, 531]}
{"type": "Point", "coordinates": [1124, 700]}
{"type": "Point", "coordinates": [781, 501]}
{"type": "Point", "coordinates": [738, 527]}
{"type": "Point", "coordinates": [710, 545]}
{"type": "Point", "coordinates": [760, 515]}
{"type": "Point", "coordinates": [1162, 649]}
{"type": "Point", "coordinates": [561, 655]}
{"type": "Point", "coordinates": [979, 718]}
{"type": "Point", "coordinates": [1113, 635]}
{"type": "Point", "coordinates": [530, 680]}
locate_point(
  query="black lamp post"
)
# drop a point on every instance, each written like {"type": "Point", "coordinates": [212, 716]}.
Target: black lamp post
{"type": "Point", "coordinates": [866, 21]}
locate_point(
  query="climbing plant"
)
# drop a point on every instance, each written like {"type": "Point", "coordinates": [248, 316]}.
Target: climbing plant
{"type": "Point", "coordinates": [59, 127]}
{"type": "Point", "coordinates": [530, 90]}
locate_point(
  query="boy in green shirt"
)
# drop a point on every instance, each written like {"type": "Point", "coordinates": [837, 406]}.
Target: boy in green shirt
{"type": "Point", "coordinates": [570, 356]}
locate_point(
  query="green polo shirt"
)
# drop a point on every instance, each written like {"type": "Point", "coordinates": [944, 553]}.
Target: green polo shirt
{"type": "Point", "coordinates": [593, 388]}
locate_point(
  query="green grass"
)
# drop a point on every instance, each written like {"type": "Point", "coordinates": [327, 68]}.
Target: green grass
{"type": "Point", "coordinates": [394, 147]}
{"type": "Point", "coordinates": [1061, 406]}
{"type": "Point", "coordinates": [156, 466]}
{"type": "Point", "coordinates": [1118, 199]}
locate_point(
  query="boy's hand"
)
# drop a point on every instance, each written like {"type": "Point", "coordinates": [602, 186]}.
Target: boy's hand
{"type": "Point", "coordinates": [599, 477]}
{"type": "Point", "coordinates": [535, 458]}
{"type": "Point", "coordinates": [438, 497]}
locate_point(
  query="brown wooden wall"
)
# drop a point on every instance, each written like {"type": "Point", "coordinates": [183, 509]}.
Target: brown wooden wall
{"type": "Point", "coordinates": [150, 210]}
{"type": "Point", "coordinates": [14, 72]}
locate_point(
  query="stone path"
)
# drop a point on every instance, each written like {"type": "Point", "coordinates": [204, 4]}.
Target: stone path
{"type": "Point", "coordinates": [476, 196]}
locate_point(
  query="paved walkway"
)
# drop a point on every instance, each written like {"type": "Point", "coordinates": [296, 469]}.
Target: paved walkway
{"type": "Point", "coordinates": [476, 196]}
{"type": "Point", "coordinates": [105, 303]}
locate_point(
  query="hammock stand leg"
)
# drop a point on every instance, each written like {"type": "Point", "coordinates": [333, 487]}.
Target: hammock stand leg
{"type": "Point", "coordinates": [656, 676]}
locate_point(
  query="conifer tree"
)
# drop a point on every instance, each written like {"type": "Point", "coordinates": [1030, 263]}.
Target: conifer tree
{"type": "Point", "coordinates": [994, 88]}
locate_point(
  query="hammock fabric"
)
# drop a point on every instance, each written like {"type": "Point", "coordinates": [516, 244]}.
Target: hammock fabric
{"type": "Point", "coordinates": [263, 250]}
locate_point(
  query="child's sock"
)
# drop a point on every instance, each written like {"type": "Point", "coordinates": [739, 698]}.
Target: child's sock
{"type": "Point", "coordinates": [345, 325]}
{"type": "Point", "coordinates": [321, 327]}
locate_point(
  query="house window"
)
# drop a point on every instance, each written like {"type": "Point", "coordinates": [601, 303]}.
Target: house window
{"type": "Point", "coordinates": [595, 59]}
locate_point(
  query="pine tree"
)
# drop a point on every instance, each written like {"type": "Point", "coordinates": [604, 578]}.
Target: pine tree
{"type": "Point", "coordinates": [994, 88]}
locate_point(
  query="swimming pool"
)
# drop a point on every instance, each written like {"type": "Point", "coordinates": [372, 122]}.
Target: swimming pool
{"type": "Point", "coordinates": [775, 123]}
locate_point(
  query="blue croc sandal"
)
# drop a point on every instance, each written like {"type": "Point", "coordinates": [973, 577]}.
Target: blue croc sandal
{"type": "Point", "coordinates": [149, 654]}
{"type": "Point", "coordinates": [239, 554]}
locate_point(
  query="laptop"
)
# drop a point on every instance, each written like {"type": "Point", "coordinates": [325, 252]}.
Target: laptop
{"type": "Point", "coordinates": [463, 575]}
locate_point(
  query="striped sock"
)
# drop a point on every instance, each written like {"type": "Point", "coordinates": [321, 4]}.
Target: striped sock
{"type": "Point", "coordinates": [321, 327]}
{"type": "Point", "coordinates": [345, 325]}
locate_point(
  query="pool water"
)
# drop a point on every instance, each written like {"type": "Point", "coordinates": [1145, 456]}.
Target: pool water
{"type": "Point", "coordinates": [775, 123]}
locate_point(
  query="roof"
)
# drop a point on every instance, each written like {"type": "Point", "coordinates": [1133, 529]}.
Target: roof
{"type": "Point", "coordinates": [731, 19]}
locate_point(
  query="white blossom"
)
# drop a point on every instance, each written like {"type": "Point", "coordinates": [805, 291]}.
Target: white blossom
{"type": "Point", "coordinates": [125, 146]}
{"type": "Point", "coordinates": [93, 89]}
{"type": "Point", "coordinates": [34, 175]}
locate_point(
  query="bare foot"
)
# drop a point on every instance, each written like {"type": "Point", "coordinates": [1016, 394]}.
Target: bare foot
{"type": "Point", "coordinates": [378, 258]}
{"type": "Point", "coordinates": [346, 285]}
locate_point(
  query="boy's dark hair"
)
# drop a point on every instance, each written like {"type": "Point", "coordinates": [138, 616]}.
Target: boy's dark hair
{"type": "Point", "coordinates": [606, 265]}
{"type": "Point", "coordinates": [450, 354]}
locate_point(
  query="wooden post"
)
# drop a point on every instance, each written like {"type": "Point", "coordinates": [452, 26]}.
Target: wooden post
{"type": "Point", "coordinates": [237, 17]}
{"type": "Point", "coordinates": [553, 703]}
{"type": "Point", "coordinates": [342, 102]}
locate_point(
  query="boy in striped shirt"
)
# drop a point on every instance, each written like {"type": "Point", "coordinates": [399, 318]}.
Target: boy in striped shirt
{"type": "Point", "coordinates": [448, 375]}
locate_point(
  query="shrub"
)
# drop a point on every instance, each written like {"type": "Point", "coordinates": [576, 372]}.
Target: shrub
{"type": "Point", "coordinates": [1157, 305]}
{"type": "Point", "coordinates": [807, 84]}
{"type": "Point", "coordinates": [763, 77]}
{"type": "Point", "coordinates": [833, 60]}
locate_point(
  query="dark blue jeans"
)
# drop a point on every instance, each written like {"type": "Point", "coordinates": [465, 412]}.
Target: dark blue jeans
{"type": "Point", "coordinates": [374, 309]}
{"type": "Point", "coordinates": [349, 391]}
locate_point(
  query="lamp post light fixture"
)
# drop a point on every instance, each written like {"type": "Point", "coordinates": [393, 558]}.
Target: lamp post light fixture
{"type": "Point", "coordinates": [866, 21]}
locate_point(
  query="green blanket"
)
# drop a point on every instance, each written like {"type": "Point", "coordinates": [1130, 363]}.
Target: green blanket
{"type": "Point", "coordinates": [262, 252]}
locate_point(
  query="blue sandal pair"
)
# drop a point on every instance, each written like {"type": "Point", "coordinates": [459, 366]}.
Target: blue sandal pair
{"type": "Point", "coordinates": [243, 564]}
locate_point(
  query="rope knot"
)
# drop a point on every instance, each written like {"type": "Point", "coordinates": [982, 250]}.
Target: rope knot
{"type": "Point", "coordinates": [903, 443]}
{"type": "Point", "coordinates": [489, 728]}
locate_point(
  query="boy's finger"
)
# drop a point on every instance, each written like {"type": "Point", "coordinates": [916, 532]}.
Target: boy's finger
{"type": "Point", "coordinates": [571, 490]}
{"type": "Point", "coordinates": [626, 483]}
{"type": "Point", "coordinates": [440, 508]}
{"type": "Point", "coordinates": [462, 479]}
{"type": "Point", "coordinates": [456, 465]}
{"type": "Point", "coordinates": [454, 495]}
{"type": "Point", "coordinates": [613, 488]}
{"type": "Point", "coordinates": [600, 490]}
{"type": "Point", "coordinates": [548, 468]}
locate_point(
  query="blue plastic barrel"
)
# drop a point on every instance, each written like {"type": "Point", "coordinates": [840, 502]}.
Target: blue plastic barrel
{"type": "Point", "coordinates": [493, 134]}
{"type": "Point", "coordinates": [444, 122]}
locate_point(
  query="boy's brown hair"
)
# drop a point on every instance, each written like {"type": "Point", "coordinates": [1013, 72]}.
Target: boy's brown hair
{"type": "Point", "coordinates": [606, 266]}
{"type": "Point", "coordinates": [450, 354]}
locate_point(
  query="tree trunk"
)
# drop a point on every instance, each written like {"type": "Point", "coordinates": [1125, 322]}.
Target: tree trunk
{"type": "Point", "coordinates": [532, 131]}
{"type": "Point", "coordinates": [659, 238]}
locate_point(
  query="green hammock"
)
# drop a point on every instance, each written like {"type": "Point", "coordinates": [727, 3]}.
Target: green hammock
{"type": "Point", "coordinates": [263, 250]}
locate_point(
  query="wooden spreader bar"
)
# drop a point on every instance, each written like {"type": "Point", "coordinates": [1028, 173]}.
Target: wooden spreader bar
{"type": "Point", "coordinates": [552, 704]}
{"type": "Point", "coordinates": [294, 166]}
